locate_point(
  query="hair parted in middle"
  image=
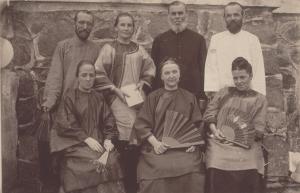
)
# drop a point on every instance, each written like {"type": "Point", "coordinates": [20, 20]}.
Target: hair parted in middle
{"type": "Point", "coordinates": [123, 14]}
{"type": "Point", "coordinates": [241, 63]}
{"type": "Point", "coordinates": [81, 63]}
{"type": "Point", "coordinates": [168, 61]}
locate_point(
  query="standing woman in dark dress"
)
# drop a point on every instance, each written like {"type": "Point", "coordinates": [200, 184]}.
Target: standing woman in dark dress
{"type": "Point", "coordinates": [83, 131]}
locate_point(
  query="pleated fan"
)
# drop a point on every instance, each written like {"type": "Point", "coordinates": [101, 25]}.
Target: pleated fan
{"type": "Point", "coordinates": [179, 132]}
{"type": "Point", "coordinates": [238, 132]}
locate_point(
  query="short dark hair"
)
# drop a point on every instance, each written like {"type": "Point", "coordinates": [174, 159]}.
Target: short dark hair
{"type": "Point", "coordinates": [123, 14]}
{"type": "Point", "coordinates": [241, 63]}
{"type": "Point", "coordinates": [83, 11]}
{"type": "Point", "coordinates": [168, 61]}
{"type": "Point", "coordinates": [176, 3]}
{"type": "Point", "coordinates": [232, 4]}
{"type": "Point", "coordinates": [81, 63]}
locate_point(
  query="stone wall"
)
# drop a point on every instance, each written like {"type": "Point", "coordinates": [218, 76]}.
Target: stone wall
{"type": "Point", "coordinates": [38, 26]}
{"type": "Point", "coordinates": [9, 127]}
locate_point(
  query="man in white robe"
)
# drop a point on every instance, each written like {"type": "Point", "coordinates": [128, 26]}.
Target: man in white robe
{"type": "Point", "coordinates": [227, 46]}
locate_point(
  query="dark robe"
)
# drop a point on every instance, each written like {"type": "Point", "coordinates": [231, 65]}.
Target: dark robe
{"type": "Point", "coordinates": [189, 50]}
{"type": "Point", "coordinates": [174, 163]}
{"type": "Point", "coordinates": [82, 115]}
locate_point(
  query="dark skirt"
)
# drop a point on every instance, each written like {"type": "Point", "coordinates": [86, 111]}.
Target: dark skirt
{"type": "Point", "coordinates": [108, 187]}
{"type": "Point", "coordinates": [79, 171]}
{"type": "Point", "coordinates": [189, 183]}
{"type": "Point", "coordinates": [240, 181]}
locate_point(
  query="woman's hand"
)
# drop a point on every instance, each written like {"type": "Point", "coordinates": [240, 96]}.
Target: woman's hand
{"type": "Point", "coordinates": [158, 146]}
{"type": "Point", "coordinates": [93, 144]}
{"type": "Point", "coordinates": [45, 109]}
{"type": "Point", "coordinates": [108, 145]}
{"type": "Point", "coordinates": [216, 133]}
{"type": "Point", "coordinates": [191, 149]}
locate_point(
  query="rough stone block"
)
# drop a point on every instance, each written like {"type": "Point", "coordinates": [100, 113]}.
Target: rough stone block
{"type": "Point", "coordinates": [28, 148]}
{"type": "Point", "coordinates": [294, 53]}
{"type": "Point", "coordinates": [260, 22]}
{"type": "Point", "coordinates": [274, 92]}
{"type": "Point", "coordinates": [59, 27]}
{"type": "Point", "coordinates": [28, 178]}
{"type": "Point", "coordinates": [290, 103]}
{"type": "Point", "coordinates": [21, 51]}
{"type": "Point", "coordinates": [276, 122]}
{"type": "Point", "coordinates": [277, 156]}
{"type": "Point", "coordinates": [271, 62]}
{"type": "Point", "coordinates": [211, 22]}
{"type": "Point", "coordinates": [265, 33]}
{"type": "Point", "coordinates": [26, 104]}
{"type": "Point", "coordinates": [158, 24]}
{"type": "Point", "coordinates": [9, 128]}
{"type": "Point", "coordinates": [285, 62]}
{"type": "Point", "coordinates": [294, 131]}
{"type": "Point", "coordinates": [294, 140]}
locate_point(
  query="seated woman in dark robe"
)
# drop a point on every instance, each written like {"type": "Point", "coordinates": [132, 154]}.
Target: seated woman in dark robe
{"type": "Point", "coordinates": [236, 117]}
{"type": "Point", "coordinates": [161, 168]}
{"type": "Point", "coordinates": [83, 131]}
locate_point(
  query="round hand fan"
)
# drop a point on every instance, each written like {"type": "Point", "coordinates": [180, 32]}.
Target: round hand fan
{"type": "Point", "coordinates": [238, 132]}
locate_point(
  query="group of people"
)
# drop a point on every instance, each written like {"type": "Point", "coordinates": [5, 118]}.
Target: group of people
{"type": "Point", "coordinates": [91, 117]}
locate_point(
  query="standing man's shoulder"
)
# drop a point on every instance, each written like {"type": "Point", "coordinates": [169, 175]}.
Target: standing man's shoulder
{"type": "Point", "coordinates": [163, 35]}
{"type": "Point", "coordinates": [65, 42]}
{"type": "Point", "coordinates": [92, 43]}
{"type": "Point", "coordinates": [194, 34]}
{"type": "Point", "coordinates": [220, 35]}
{"type": "Point", "coordinates": [249, 35]}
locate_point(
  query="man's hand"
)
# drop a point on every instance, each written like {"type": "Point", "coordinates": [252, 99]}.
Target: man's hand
{"type": "Point", "coordinates": [108, 145]}
{"type": "Point", "coordinates": [93, 144]}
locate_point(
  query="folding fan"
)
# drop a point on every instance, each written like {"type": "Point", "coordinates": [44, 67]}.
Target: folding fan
{"type": "Point", "coordinates": [179, 132]}
{"type": "Point", "coordinates": [238, 132]}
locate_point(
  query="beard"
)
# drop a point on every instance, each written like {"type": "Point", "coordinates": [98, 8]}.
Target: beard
{"type": "Point", "coordinates": [178, 28]}
{"type": "Point", "coordinates": [83, 34]}
{"type": "Point", "coordinates": [234, 26]}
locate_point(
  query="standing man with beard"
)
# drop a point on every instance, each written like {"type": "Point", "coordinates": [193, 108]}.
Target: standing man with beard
{"type": "Point", "coordinates": [66, 57]}
{"type": "Point", "coordinates": [187, 47]}
{"type": "Point", "coordinates": [62, 75]}
{"type": "Point", "coordinates": [227, 46]}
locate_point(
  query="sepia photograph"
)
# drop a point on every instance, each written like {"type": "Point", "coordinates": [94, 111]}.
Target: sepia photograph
{"type": "Point", "coordinates": [150, 96]}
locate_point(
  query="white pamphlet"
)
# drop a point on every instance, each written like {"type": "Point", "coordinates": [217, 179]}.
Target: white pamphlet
{"type": "Point", "coordinates": [135, 96]}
